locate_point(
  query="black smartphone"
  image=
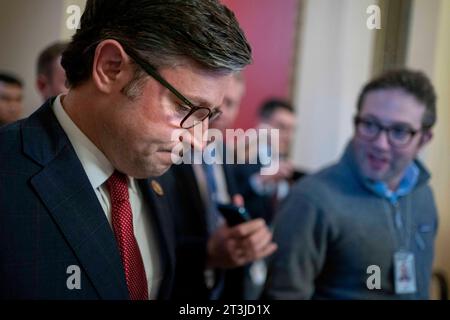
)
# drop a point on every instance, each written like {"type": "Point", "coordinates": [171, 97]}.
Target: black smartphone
{"type": "Point", "coordinates": [234, 215]}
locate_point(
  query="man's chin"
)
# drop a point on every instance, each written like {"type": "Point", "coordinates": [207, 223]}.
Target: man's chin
{"type": "Point", "coordinates": [376, 176]}
{"type": "Point", "coordinates": [150, 171]}
{"type": "Point", "coordinates": [159, 170]}
{"type": "Point", "coordinates": [162, 170]}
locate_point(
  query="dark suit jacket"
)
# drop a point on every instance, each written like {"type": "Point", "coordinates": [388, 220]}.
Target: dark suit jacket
{"type": "Point", "coordinates": [50, 219]}
{"type": "Point", "coordinates": [192, 235]}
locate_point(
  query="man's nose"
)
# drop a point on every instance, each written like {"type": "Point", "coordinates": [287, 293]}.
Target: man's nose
{"type": "Point", "coordinates": [382, 141]}
{"type": "Point", "coordinates": [198, 133]}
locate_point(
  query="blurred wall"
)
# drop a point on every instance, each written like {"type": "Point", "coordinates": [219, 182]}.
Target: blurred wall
{"type": "Point", "coordinates": [429, 50]}
{"type": "Point", "coordinates": [270, 27]}
{"type": "Point", "coordinates": [335, 59]}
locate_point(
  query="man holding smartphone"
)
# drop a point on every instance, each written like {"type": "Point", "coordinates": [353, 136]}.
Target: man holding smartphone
{"type": "Point", "coordinates": [82, 216]}
{"type": "Point", "coordinates": [209, 251]}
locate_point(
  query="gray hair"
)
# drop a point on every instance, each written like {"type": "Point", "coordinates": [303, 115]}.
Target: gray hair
{"type": "Point", "coordinates": [163, 32]}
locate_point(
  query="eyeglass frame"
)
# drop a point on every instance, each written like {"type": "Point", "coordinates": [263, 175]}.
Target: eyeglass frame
{"type": "Point", "coordinates": [358, 119]}
{"type": "Point", "coordinates": [151, 71]}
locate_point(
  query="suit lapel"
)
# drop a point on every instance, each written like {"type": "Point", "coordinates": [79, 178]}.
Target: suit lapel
{"type": "Point", "coordinates": [159, 209]}
{"type": "Point", "coordinates": [66, 192]}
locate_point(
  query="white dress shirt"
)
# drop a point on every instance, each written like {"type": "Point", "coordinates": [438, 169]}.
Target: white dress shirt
{"type": "Point", "coordinates": [98, 169]}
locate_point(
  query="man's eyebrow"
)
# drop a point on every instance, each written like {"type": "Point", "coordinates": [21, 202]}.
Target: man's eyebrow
{"type": "Point", "coordinates": [199, 101]}
{"type": "Point", "coordinates": [401, 123]}
{"type": "Point", "coordinates": [395, 123]}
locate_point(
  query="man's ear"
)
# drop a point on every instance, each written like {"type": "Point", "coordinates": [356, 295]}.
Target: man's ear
{"type": "Point", "coordinates": [111, 69]}
{"type": "Point", "coordinates": [41, 84]}
{"type": "Point", "coordinates": [427, 135]}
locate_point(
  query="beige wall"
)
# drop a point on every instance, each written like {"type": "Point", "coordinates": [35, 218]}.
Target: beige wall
{"type": "Point", "coordinates": [335, 59]}
{"type": "Point", "coordinates": [430, 51]}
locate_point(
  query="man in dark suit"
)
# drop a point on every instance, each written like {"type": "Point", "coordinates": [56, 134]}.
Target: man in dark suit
{"type": "Point", "coordinates": [50, 76]}
{"type": "Point", "coordinates": [263, 193]}
{"type": "Point", "coordinates": [79, 217]}
{"type": "Point", "coordinates": [210, 254]}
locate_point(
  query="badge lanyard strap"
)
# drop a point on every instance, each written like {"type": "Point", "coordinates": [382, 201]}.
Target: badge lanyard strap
{"type": "Point", "coordinates": [400, 226]}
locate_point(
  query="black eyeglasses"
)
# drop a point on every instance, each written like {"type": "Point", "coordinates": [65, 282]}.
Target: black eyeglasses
{"type": "Point", "coordinates": [194, 114]}
{"type": "Point", "coordinates": [399, 135]}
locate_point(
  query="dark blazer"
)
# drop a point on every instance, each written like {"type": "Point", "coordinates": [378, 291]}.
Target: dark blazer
{"type": "Point", "coordinates": [192, 237]}
{"type": "Point", "coordinates": [191, 234]}
{"type": "Point", "coordinates": [50, 219]}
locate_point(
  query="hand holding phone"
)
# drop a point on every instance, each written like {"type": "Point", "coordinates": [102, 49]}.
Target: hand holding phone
{"type": "Point", "coordinates": [234, 215]}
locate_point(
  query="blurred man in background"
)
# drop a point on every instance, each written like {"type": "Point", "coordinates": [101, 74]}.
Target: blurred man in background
{"type": "Point", "coordinates": [11, 98]}
{"type": "Point", "coordinates": [209, 252]}
{"type": "Point", "coordinates": [263, 193]}
{"type": "Point", "coordinates": [365, 227]}
{"type": "Point", "coordinates": [51, 77]}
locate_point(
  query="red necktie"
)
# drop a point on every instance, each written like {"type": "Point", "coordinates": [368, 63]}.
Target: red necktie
{"type": "Point", "coordinates": [122, 221]}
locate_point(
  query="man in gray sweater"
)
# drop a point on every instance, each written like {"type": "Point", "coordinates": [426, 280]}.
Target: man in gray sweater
{"type": "Point", "coordinates": [364, 228]}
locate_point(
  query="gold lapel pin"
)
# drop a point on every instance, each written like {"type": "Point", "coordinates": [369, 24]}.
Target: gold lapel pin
{"type": "Point", "coordinates": [156, 186]}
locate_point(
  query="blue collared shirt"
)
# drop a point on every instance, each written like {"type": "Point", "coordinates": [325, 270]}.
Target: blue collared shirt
{"type": "Point", "coordinates": [406, 185]}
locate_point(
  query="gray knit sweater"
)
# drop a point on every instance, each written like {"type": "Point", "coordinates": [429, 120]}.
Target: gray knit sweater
{"type": "Point", "coordinates": [331, 228]}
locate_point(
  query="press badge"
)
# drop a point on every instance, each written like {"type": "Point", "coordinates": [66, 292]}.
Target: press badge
{"type": "Point", "coordinates": [404, 272]}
